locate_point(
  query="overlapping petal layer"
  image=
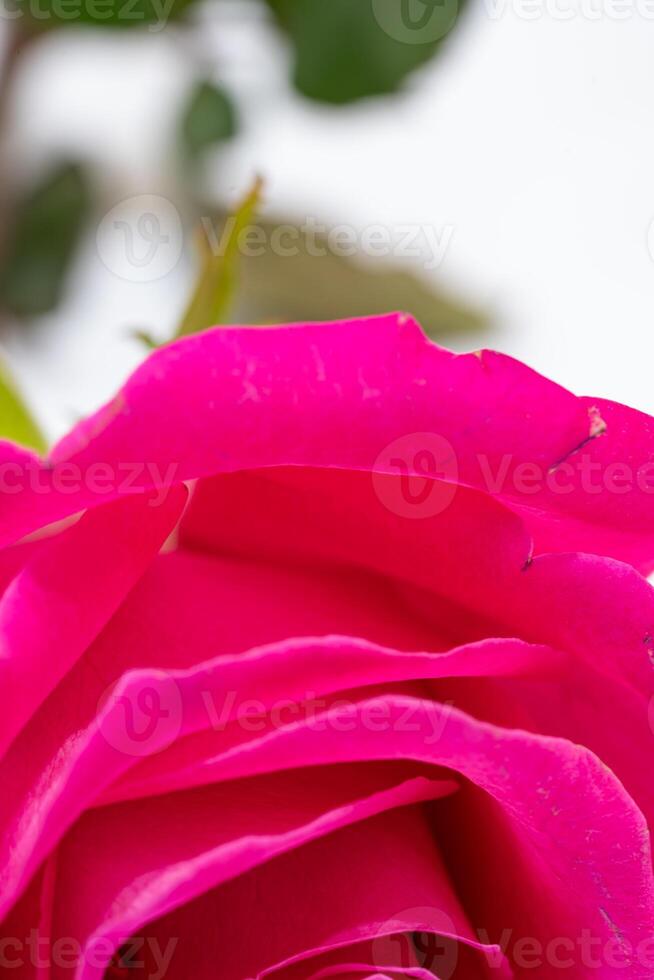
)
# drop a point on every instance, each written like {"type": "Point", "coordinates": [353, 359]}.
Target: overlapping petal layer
{"type": "Point", "coordinates": [338, 395]}
{"type": "Point", "coordinates": [323, 718]}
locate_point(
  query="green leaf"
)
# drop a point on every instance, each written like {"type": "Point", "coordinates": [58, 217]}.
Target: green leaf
{"type": "Point", "coordinates": [16, 422]}
{"type": "Point", "coordinates": [43, 238]}
{"type": "Point", "coordinates": [350, 49]}
{"type": "Point", "coordinates": [144, 337]}
{"type": "Point", "coordinates": [296, 284]}
{"type": "Point", "coordinates": [214, 294]}
{"type": "Point", "coordinates": [209, 118]}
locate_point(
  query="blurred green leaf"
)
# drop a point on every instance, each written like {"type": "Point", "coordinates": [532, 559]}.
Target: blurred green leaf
{"type": "Point", "coordinates": [16, 422]}
{"type": "Point", "coordinates": [215, 292]}
{"type": "Point", "coordinates": [46, 229]}
{"type": "Point", "coordinates": [145, 337]}
{"type": "Point", "coordinates": [349, 49]}
{"type": "Point", "coordinates": [296, 284]}
{"type": "Point", "coordinates": [209, 118]}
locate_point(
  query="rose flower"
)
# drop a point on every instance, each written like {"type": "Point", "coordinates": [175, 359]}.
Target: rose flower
{"type": "Point", "coordinates": [343, 671]}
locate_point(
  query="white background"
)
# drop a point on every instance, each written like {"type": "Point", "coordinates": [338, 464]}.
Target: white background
{"type": "Point", "coordinates": [532, 138]}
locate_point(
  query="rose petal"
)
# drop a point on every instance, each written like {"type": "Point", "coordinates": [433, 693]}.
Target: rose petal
{"type": "Point", "coordinates": [363, 909]}
{"type": "Point", "coordinates": [476, 554]}
{"type": "Point", "coordinates": [59, 602]}
{"type": "Point", "coordinates": [337, 395]}
{"type": "Point", "coordinates": [554, 798]}
{"type": "Point", "coordinates": [144, 868]}
{"type": "Point", "coordinates": [66, 758]}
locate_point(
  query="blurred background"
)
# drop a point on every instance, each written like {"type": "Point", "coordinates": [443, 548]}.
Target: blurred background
{"type": "Point", "coordinates": [488, 168]}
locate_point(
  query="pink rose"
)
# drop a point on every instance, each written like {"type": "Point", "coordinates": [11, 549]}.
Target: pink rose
{"type": "Point", "coordinates": [373, 703]}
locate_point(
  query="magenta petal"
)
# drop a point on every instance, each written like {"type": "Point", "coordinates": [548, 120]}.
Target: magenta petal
{"type": "Point", "coordinates": [279, 678]}
{"type": "Point", "coordinates": [74, 765]}
{"type": "Point", "coordinates": [28, 920]}
{"type": "Point", "coordinates": [338, 395]}
{"type": "Point", "coordinates": [554, 796]}
{"type": "Point", "coordinates": [476, 554]}
{"type": "Point", "coordinates": [304, 581]}
{"type": "Point", "coordinates": [144, 868]}
{"type": "Point", "coordinates": [363, 909]}
{"type": "Point", "coordinates": [14, 558]}
{"type": "Point", "coordinates": [59, 602]}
